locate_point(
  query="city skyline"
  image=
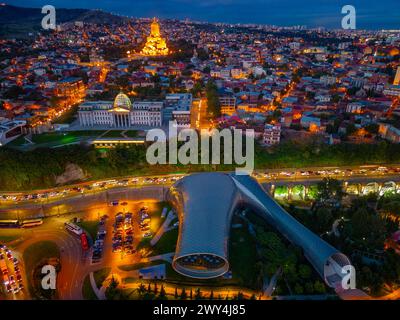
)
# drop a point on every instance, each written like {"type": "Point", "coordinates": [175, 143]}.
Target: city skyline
{"type": "Point", "coordinates": [145, 158]}
{"type": "Point", "coordinates": [370, 14]}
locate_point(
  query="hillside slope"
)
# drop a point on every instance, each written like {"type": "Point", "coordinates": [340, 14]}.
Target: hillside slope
{"type": "Point", "coordinates": [19, 21]}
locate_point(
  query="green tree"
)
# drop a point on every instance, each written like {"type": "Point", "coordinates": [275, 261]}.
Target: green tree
{"type": "Point", "coordinates": [155, 288]}
{"type": "Point", "coordinates": [240, 296]}
{"type": "Point", "coordinates": [351, 129]}
{"type": "Point", "coordinates": [319, 287]}
{"type": "Point", "coordinates": [213, 104]}
{"type": "Point", "coordinates": [163, 294]}
{"type": "Point", "coordinates": [298, 289]}
{"type": "Point", "coordinates": [197, 89]}
{"type": "Point", "coordinates": [141, 289]}
{"type": "Point", "coordinates": [198, 294]}
{"type": "Point", "coordinates": [183, 294]}
{"type": "Point", "coordinates": [372, 128]}
{"type": "Point", "coordinates": [304, 271]}
{"type": "Point", "coordinates": [112, 291]}
{"type": "Point", "coordinates": [330, 190]}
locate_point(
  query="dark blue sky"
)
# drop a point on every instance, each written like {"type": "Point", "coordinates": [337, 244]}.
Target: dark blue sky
{"type": "Point", "coordinates": [371, 14]}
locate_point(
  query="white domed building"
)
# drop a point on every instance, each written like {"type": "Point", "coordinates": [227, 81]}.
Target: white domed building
{"type": "Point", "coordinates": [122, 101]}
{"type": "Point", "coordinates": [120, 113]}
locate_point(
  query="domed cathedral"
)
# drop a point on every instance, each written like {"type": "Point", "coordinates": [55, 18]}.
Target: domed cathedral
{"type": "Point", "coordinates": [155, 28]}
{"type": "Point", "coordinates": [155, 44]}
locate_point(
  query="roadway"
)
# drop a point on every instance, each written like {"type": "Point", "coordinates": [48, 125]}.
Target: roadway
{"type": "Point", "coordinates": [76, 264]}
{"type": "Point", "coordinates": [356, 174]}
{"type": "Point", "coordinates": [69, 278]}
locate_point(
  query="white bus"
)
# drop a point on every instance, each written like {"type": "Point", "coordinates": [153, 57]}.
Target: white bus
{"type": "Point", "coordinates": [31, 223]}
{"type": "Point", "coordinates": [71, 227]}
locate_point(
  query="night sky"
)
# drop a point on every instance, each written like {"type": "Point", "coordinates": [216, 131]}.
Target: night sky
{"type": "Point", "coordinates": [371, 14]}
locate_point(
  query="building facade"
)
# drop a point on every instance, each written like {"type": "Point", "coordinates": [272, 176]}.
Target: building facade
{"type": "Point", "coordinates": [10, 130]}
{"type": "Point", "coordinates": [202, 246]}
{"type": "Point", "coordinates": [120, 114]}
{"type": "Point", "coordinates": [272, 134]}
{"type": "Point", "coordinates": [177, 108]}
{"type": "Point", "coordinates": [155, 44]}
{"type": "Point", "coordinates": [228, 105]}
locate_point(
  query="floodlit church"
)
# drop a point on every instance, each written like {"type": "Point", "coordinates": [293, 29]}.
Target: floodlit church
{"type": "Point", "coordinates": [155, 44]}
{"type": "Point", "coordinates": [121, 113]}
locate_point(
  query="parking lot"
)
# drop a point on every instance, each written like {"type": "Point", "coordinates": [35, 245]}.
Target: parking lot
{"type": "Point", "coordinates": [11, 273]}
{"type": "Point", "coordinates": [123, 224]}
{"type": "Point", "coordinates": [98, 244]}
{"type": "Point", "coordinates": [129, 228]}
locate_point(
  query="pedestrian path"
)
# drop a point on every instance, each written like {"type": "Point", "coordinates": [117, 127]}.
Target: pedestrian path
{"type": "Point", "coordinates": [270, 288]}
{"type": "Point", "coordinates": [100, 294]}
{"type": "Point", "coordinates": [163, 228]}
{"type": "Point", "coordinates": [166, 257]}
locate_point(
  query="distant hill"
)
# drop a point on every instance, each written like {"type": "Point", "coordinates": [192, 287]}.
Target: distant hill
{"type": "Point", "coordinates": [19, 21]}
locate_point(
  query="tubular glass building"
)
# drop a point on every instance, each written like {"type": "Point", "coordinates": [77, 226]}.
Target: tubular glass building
{"type": "Point", "coordinates": [205, 204]}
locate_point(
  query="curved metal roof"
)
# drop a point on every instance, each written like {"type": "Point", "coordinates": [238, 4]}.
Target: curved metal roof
{"type": "Point", "coordinates": [205, 203]}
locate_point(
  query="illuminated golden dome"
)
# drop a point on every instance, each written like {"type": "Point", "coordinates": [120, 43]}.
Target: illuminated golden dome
{"type": "Point", "coordinates": [155, 28]}
{"type": "Point", "coordinates": [155, 44]}
{"type": "Point", "coordinates": [122, 101]}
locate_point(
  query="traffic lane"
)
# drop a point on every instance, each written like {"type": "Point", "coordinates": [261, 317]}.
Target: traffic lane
{"type": "Point", "coordinates": [318, 178]}
{"type": "Point", "coordinates": [60, 206]}
{"type": "Point", "coordinates": [166, 179]}
{"type": "Point", "coordinates": [280, 179]}
{"type": "Point", "coordinates": [70, 254]}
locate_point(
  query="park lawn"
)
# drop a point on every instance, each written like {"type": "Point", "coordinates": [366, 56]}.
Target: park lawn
{"type": "Point", "coordinates": [113, 134]}
{"type": "Point", "coordinates": [20, 141]}
{"type": "Point", "coordinates": [8, 235]}
{"type": "Point", "coordinates": [242, 256]}
{"type": "Point", "coordinates": [100, 276]}
{"type": "Point", "coordinates": [90, 227]}
{"type": "Point", "coordinates": [131, 133]}
{"type": "Point", "coordinates": [86, 133]}
{"type": "Point", "coordinates": [118, 134]}
{"type": "Point", "coordinates": [8, 238]}
{"type": "Point", "coordinates": [167, 242]}
{"type": "Point", "coordinates": [87, 290]}
{"type": "Point", "coordinates": [39, 251]}
{"type": "Point", "coordinates": [33, 255]}
{"type": "Point", "coordinates": [61, 138]}
{"type": "Point", "coordinates": [64, 137]}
